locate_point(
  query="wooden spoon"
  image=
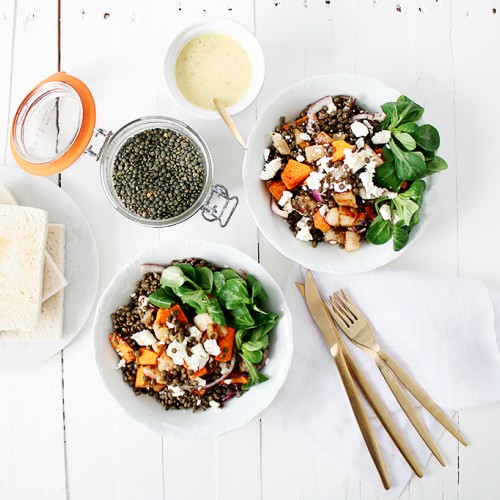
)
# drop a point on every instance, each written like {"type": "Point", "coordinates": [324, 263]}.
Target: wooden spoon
{"type": "Point", "coordinates": [229, 122]}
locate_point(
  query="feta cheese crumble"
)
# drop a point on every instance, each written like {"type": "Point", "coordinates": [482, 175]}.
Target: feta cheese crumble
{"type": "Point", "coordinates": [314, 180]}
{"type": "Point", "coordinates": [382, 137]}
{"type": "Point", "coordinates": [120, 364]}
{"type": "Point", "coordinates": [385, 212]}
{"type": "Point", "coordinates": [300, 158]}
{"type": "Point", "coordinates": [211, 347]}
{"type": "Point", "coordinates": [144, 338]}
{"type": "Point", "coordinates": [176, 391]}
{"type": "Point", "coordinates": [270, 169]}
{"type": "Point", "coordinates": [287, 195]}
{"type": "Point", "coordinates": [331, 108]}
{"type": "Point", "coordinates": [304, 137]}
{"type": "Point", "coordinates": [267, 152]}
{"type": "Point", "coordinates": [194, 333]}
{"type": "Point", "coordinates": [359, 129]}
{"type": "Point", "coordinates": [304, 233]}
{"type": "Point", "coordinates": [177, 351]}
{"type": "Point", "coordinates": [214, 404]}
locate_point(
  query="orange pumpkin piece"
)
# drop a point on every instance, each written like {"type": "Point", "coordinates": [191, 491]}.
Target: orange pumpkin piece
{"type": "Point", "coordinates": [237, 378]}
{"type": "Point", "coordinates": [277, 189]}
{"type": "Point", "coordinates": [163, 314]}
{"type": "Point", "coordinates": [147, 357]}
{"type": "Point", "coordinates": [159, 387]}
{"type": "Point", "coordinates": [295, 123]}
{"type": "Point", "coordinates": [226, 344]}
{"type": "Point", "coordinates": [141, 380]}
{"type": "Point", "coordinates": [339, 147]}
{"type": "Point", "coordinates": [295, 173]}
{"type": "Point", "coordinates": [122, 347]}
{"type": "Point", "coordinates": [320, 222]}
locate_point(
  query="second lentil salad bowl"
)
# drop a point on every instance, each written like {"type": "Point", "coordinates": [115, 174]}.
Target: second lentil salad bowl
{"type": "Point", "coordinates": [184, 423]}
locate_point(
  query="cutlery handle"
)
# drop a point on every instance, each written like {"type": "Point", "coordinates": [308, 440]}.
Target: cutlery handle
{"type": "Point", "coordinates": [381, 412]}
{"type": "Point", "coordinates": [408, 408]}
{"type": "Point", "coordinates": [361, 416]}
{"type": "Point", "coordinates": [422, 397]}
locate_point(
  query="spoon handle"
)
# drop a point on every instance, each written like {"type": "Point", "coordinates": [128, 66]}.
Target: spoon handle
{"type": "Point", "coordinates": [229, 122]}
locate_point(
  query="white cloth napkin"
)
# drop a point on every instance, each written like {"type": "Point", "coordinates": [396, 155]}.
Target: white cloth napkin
{"type": "Point", "coordinates": [441, 329]}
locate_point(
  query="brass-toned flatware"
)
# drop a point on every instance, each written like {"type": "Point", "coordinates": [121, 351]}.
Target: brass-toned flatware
{"type": "Point", "coordinates": [357, 328]}
{"type": "Point", "coordinates": [375, 402]}
{"type": "Point", "coordinates": [325, 323]}
{"type": "Point", "coordinates": [229, 122]}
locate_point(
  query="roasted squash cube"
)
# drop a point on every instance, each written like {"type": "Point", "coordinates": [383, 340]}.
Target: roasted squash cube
{"type": "Point", "coordinates": [141, 380]}
{"type": "Point", "coordinates": [122, 347]}
{"type": "Point", "coordinates": [339, 148]}
{"type": "Point", "coordinates": [147, 357]}
{"type": "Point", "coordinates": [295, 173]}
{"type": "Point", "coordinates": [320, 222]}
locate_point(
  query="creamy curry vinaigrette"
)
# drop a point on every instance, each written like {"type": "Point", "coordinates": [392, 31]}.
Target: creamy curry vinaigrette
{"type": "Point", "coordinates": [213, 65]}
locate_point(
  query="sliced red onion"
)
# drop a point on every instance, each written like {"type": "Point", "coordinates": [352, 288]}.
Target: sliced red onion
{"type": "Point", "coordinates": [316, 195]}
{"type": "Point", "coordinates": [229, 396]}
{"type": "Point", "coordinates": [215, 382]}
{"type": "Point", "coordinates": [314, 108]}
{"type": "Point", "coordinates": [277, 210]}
{"type": "Point", "coordinates": [152, 268]}
{"type": "Point", "coordinates": [363, 116]}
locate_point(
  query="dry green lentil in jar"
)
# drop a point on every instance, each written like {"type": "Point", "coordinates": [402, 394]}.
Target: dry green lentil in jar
{"type": "Point", "coordinates": [158, 174]}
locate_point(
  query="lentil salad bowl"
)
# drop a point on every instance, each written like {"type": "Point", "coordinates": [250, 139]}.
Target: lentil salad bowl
{"type": "Point", "coordinates": [181, 420]}
{"type": "Point", "coordinates": [368, 94]}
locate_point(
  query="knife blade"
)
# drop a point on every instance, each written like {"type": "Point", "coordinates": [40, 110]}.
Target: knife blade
{"type": "Point", "coordinates": [318, 311]}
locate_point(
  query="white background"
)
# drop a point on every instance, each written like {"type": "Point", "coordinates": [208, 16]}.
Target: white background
{"type": "Point", "coordinates": [61, 435]}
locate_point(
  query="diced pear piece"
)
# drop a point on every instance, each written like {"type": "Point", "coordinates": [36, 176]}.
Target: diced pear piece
{"type": "Point", "coordinates": [315, 152]}
{"type": "Point", "coordinates": [346, 216]}
{"type": "Point", "coordinates": [347, 198]}
{"type": "Point", "coordinates": [335, 236]}
{"type": "Point", "coordinates": [280, 144]}
{"type": "Point", "coordinates": [352, 241]}
{"type": "Point", "coordinates": [333, 217]}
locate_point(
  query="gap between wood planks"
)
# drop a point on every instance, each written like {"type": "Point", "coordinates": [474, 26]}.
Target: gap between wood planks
{"type": "Point", "coordinates": [14, 20]}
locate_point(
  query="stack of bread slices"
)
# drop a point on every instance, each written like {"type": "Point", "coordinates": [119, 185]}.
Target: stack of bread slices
{"type": "Point", "coordinates": [32, 273]}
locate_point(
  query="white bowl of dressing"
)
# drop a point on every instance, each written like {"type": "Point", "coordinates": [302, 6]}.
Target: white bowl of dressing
{"type": "Point", "coordinates": [214, 58]}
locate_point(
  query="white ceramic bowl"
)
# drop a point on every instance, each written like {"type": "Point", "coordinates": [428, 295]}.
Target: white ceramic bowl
{"type": "Point", "coordinates": [325, 258]}
{"type": "Point", "coordinates": [226, 27]}
{"type": "Point", "coordinates": [185, 423]}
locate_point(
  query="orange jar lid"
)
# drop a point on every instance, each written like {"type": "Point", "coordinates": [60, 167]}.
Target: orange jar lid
{"type": "Point", "coordinates": [53, 125]}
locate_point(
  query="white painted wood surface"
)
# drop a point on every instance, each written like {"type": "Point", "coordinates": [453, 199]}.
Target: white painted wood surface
{"type": "Point", "coordinates": [61, 436]}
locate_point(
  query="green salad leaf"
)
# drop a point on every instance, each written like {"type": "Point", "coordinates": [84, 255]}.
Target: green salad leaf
{"type": "Point", "coordinates": [230, 299]}
{"type": "Point", "coordinates": [409, 156]}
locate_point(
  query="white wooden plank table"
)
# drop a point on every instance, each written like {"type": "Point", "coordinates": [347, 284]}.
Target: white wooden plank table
{"type": "Point", "coordinates": [61, 435]}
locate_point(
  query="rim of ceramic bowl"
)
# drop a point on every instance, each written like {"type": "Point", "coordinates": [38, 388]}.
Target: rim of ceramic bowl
{"type": "Point", "coordinates": [309, 257]}
{"type": "Point", "coordinates": [228, 27]}
{"type": "Point", "coordinates": [134, 127]}
{"type": "Point", "coordinates": [144, 411]}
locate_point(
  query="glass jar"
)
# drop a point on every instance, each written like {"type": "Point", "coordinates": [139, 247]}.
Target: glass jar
{"type": "Point", "coordinates": [55, 125]}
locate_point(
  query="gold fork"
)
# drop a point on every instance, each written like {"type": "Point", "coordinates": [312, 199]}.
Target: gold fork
{"type": "Point", "coordinates": [357, 328]}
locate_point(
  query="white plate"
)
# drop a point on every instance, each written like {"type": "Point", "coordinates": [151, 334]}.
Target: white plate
{"type": "Point", "coordinates": [82, 264]}
{"type": "Point", "coordinates": [185, 423]}
{"type": "Point", "coordinates": [325, 258]}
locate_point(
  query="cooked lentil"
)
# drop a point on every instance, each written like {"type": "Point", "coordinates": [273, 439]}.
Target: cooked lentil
{"type": "Point", "coordinates": [158, 174]}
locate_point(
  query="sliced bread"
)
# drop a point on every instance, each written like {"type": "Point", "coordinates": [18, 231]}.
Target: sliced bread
{"type": "Point", "coordinates": [53, 278]}
{"type": "Point", "coordinates": [50, 324]}
{"type": "Point", "coordinates": [23, 237]}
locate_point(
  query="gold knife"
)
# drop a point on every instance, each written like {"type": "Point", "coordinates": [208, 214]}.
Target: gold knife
{"type": "Point", "coordinates": [318, 311]}
{"type": "Point", "coordinates": [375, 402]}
